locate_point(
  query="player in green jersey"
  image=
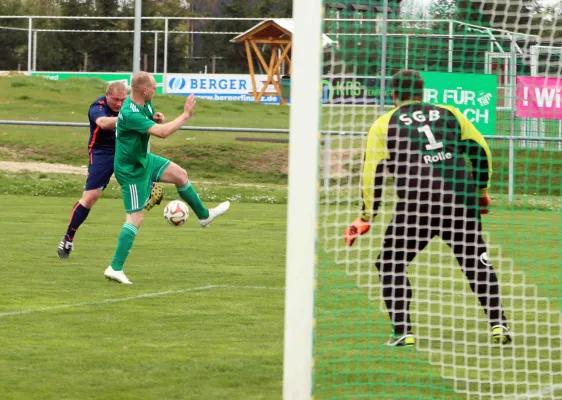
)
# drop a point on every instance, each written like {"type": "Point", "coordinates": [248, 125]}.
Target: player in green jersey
{"type": "Point", "coordinates": [136, 168]}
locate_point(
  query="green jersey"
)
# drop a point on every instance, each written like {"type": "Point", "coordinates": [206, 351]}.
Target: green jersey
{"type": "Point", "coordinates": [131, 147]}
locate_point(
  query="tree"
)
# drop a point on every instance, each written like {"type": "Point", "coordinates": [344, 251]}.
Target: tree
{"type": "Point", "coordinates": [443, 9]}
{"type": "Point", "coordinates": [547, 20]}
{"type": "Point", "coordinates": [14, 40]}
{"type": "Point", "coordinates": [110, 51]}
{"type": "Point", "coordinates": [77, 45]}
{"type": "Point", "coordinates": [265, 8]}
{"type": "Point", "coordinates": [179, 44]}
{"type": "Point", "coordinates": [233, 56]}
{"type": "Point", "coordinates": [286, 9]}
{"type": "Point", "coordinates": [496, 12]}
{"type": "Point", "coordinates": [67, 51]}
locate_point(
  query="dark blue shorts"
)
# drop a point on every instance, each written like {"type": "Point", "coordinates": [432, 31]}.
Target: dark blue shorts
{"type": "Point", "coordinates": [100, 169]}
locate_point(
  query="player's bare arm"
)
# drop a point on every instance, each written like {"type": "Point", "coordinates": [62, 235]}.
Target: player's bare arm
{"type": "Point", "coordinates": [165, 130]}
{"type": "Point", "coordinates": [106, 122]}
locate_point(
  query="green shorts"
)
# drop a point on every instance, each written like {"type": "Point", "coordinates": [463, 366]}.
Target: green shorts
{"type": "Point", "coordinates": [136, 192]}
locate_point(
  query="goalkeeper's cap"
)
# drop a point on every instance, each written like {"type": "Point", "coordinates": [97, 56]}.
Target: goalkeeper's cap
{"type": "Point", "coordinates": [408, 85]}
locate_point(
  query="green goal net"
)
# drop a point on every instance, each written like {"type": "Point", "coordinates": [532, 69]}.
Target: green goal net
{"type": "Point", "coordinates": [497, 63]}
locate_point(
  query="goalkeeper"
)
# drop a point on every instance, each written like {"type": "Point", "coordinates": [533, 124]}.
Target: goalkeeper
{"type": "Point", "coordinates": [423, 147]}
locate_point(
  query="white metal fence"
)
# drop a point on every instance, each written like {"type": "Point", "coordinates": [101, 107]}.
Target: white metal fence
{"type": "Point", "coordinates": [202, 26]}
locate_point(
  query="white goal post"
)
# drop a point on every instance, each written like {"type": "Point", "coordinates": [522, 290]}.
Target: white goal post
{"type": "Point", "coordinates": [302, 199]}
{"type": "Point", "coordinates": [536, 51]}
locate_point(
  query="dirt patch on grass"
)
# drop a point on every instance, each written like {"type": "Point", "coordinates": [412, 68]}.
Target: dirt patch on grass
{"type": "Point", "coordinates": [340, 163]}
{"type": "Point", "coordinates": [11, 165]}
{"type": "Point", "coordinates": [16, 166]}
{"type": "Point", "coordinates": [276, 161]}
{"type": "Point", "coordinates": [269, 161]}
{"type": "Point", "coordinates": [9, 152]}
{"type": "Point", "coordinates": [25, 153]}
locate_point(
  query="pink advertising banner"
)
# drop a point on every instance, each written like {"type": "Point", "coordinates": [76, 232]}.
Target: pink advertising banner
{"type": "Point", "coordinates": [539, 97]}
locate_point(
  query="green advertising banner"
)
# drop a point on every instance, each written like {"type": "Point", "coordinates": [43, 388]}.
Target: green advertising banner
{"type": "Point", "coordinates": [475, 95]}
{"type": "Point", "coordinates": [104, 76]}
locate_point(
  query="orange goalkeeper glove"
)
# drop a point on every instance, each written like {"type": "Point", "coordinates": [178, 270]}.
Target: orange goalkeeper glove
{"type": "Point", "coordinates": [484, 201]}
{"type": "Point", "coordinates": [356, 229]}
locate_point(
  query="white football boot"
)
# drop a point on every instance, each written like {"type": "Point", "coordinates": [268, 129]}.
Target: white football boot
{"type": "Point", "coordinates": [118, 276]}
{"type": "Point", "coordinates": [213, 213]}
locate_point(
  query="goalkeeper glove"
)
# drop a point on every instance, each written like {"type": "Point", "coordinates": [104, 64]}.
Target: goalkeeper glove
{"type": "Point", "coordinates": [357, 228]}
{"type": "Point", "coordinates": [484, 201]}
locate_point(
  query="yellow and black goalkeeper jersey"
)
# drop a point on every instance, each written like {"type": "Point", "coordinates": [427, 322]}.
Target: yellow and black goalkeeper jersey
{"type": "Point", "coordinates": [428, 150]}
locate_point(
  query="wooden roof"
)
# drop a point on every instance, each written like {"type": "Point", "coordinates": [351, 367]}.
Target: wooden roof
{"type": "Point", "coordinates": [278, 28]}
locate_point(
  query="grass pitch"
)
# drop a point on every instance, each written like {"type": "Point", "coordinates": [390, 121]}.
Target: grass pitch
{"type": "Point", "coordinates": [454, 357]}
{"type": "Point", "coordinates": [204, 318]}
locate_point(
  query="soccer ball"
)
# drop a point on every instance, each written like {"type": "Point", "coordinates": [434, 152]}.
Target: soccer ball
{"type": "Point", "coordinates": [176, 213]}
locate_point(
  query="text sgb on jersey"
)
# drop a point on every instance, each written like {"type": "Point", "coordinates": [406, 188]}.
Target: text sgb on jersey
{"type": "Point", "coordinates": [419, 116]}
{"type": "Point", "coordinates": [433, 145]}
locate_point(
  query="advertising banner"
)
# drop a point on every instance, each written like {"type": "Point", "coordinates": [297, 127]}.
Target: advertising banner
{"type": "Point", "coordinates": [104, 76]}
{"type": "Point", "coordinates": [354, 90]}
{"type": "Point", "coordinates": [538, 97]}
{"type": "Point", "coordinates": [475, 95]}
{"type": "Point", "coordinates": [221, 87]}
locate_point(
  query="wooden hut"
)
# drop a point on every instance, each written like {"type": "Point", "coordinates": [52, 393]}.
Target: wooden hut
{"type": "Point", "coordinates": [276, 33]}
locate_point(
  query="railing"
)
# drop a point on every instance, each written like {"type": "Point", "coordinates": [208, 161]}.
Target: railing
{"type": "Point", "coordinates": [327, 142]}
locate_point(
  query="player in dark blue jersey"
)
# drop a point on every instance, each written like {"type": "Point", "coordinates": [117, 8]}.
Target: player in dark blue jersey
{"type": "Point", "coordinates": [101, 148]}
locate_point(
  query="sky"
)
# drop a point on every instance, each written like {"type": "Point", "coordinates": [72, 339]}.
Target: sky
{"type": "Point", "coordinates": [423, 4]}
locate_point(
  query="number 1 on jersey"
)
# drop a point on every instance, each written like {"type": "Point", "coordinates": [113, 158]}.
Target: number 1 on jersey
{"type": "Point", "coordinates": [433, 144]}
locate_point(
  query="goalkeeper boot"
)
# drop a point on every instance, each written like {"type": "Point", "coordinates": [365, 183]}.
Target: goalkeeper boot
{"type": "Point", "coordinates": [214, 213]}
{"type": "Point", "coordinates": [156, 196]}
{"type": "Point", "coordinates": [501, 335]}
{"type": "Point", "coordinates": [118, 276]}
{"type": "Point", "coordinates": [401, 340]}
{"type": "Point", "coordinates": [65, 247]}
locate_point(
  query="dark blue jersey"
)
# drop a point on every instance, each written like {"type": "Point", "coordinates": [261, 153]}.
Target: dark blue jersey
{"type": "Point", "coordinates": [101, 139]}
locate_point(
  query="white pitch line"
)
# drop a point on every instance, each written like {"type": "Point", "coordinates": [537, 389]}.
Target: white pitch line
{"type": "Point", "coordinates": [140, 296]}
{"type": "Point", "coordinates": [274, 288]}
{"type": "Point", "coordinates": [540, 393]}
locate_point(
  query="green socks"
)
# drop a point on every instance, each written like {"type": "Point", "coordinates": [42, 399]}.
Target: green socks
{"type": "Point", "coordinates": [129, 231]}
{"type": "Point", "coordinates": [190, 196]}
{"type": "Point", "coordinates": [124, 244]}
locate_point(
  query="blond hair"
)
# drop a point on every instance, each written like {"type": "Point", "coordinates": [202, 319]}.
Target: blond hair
{"type": "Point", "coordinates": [116, 87]}
{"type": "Point", "coordinates": [140, 81]}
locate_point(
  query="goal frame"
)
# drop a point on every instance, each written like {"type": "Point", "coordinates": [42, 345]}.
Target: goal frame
{"type": "Point", "coordinates": [333, 339]}
{"type": "Point", "coordinates": [302, 208]}
{"type": "Point", "coordinates": [535, 51]}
